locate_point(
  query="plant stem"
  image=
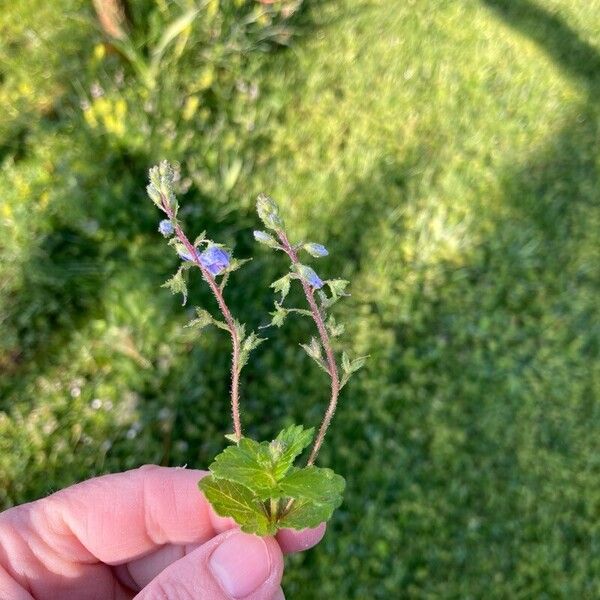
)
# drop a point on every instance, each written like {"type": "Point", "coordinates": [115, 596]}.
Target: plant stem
{"type": "Point", "coordinates": [235, 341]}
{"type": "Point", "coordinates": [273, 509]}
{"type": "Point", "coordinates": [325, 341]}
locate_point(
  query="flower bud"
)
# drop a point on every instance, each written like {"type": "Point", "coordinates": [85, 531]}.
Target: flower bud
{"type": "Point", "coordinates": [316, 250]}
{"type": "Point", "coordinates": [268, 211]}
{"type": "Point", "coordinates": [166, 228]}
{"type": "Point", "coordinates": [309, 276]}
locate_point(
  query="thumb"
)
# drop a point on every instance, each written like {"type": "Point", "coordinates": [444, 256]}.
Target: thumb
{"type": "Point", "coordinates": [232, 565]}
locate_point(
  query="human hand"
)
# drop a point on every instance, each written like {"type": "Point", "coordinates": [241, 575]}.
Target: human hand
{"type": "Point", "coordinates": [147, 532]}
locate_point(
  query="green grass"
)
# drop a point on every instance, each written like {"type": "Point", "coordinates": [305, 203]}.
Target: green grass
{"type": "Point", "coordinates": [447, 153]}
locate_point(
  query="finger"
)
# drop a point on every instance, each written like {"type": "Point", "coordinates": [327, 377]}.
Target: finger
{"type": "Point", "coordinates": [233, 565]}
{"type": "Point", "coordinates": [117, 518]}
{"type": "Point", "coordinates": [293, 540]}
{"type": "Point", "coordinates": [138, 573]}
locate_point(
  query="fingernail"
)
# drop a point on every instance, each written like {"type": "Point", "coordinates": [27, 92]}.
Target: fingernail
{"type": "Point", "coordinates": [241, 564]}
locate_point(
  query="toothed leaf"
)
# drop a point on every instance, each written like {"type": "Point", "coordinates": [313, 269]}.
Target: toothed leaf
{"type": "Point", "coordinates": [230, 499]}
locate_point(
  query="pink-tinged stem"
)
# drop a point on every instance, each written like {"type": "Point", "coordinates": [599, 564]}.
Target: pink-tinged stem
{"type": "Point", "coordinates": [331, 363]}
{"type": "Point", "coordinates": [235, 342]}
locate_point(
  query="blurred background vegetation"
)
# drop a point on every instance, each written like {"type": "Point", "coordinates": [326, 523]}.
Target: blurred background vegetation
{"type": "Point", "coordinates": [446, 151]}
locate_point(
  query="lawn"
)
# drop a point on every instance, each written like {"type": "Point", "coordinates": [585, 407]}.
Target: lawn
{"type": "Point", "coordinates": [448, 154]}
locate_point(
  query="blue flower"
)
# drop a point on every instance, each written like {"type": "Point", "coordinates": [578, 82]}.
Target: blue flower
{"type": "Point", "coordinates": [315, 281]}
{"type": "Point", "coordinates": [166, 228]}
{"type": "Point", "coordinates": [215, 260]}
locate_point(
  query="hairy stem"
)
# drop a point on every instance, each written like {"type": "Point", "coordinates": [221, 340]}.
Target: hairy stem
{"type": "Point", "coordinates": [235, 341]}
{"type": "Point", "coordinates": [326, 342]}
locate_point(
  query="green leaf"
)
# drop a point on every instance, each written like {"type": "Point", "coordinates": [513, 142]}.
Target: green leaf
{"type": "Point", "coordinates": [316, 484]}
{"type": "Point", "coordinates": [257, 485]}
{"type": "Point", "coordinates": [230, 499]}
{"type": "Point", "coordinates": [203, 319]}
{"type": "Point", "coordinates": [249, 344]}
{"type": "Point", "coordinates": [351, 366]}
{"type": "Point", "coordinates": [300, 311]}
{"type": "Point", "coordinates": [259, 466]}
{"type": "Point", "coordinates": [317, 493]}
{"type": "Point", "coordinates": [335, 329]}
{"type": "Point", "coordinates": [293, 439]}
{"type": "Point", "coordinates": [267, 239]}
{"type": "Point", "coordinates": [200, 239]}
{"type": "Point", "coordinates": [249, 464]}
{"type": "Point", "coordinates": [345, 362]}
{"type": "Point", "coordinates": [304, 513]}
{"type": "Point", "coordinates": [315, 352]}
{"type": "Point", "coordinates": [314, 349]}
{"type": "Point", "coordinates": [236, 263]}
{"type": "Point", "coordinates": [224, 280]}
{"type": "Point", "coordinates": [282, 286]}
{"type": "Point", "coordinates": [278, 315]}
{"type": "Point", "coordinates": [338, 287]}
{"type": "Point", "coordinates": [177, 283]}
{"type": "Point", "coordinates": [154, 195]}
{"type": "Point", "coordinates": [221, 324]}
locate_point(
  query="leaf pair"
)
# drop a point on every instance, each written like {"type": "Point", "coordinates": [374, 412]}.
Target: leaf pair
{"type": "Point", "coordinates": [257, 485]}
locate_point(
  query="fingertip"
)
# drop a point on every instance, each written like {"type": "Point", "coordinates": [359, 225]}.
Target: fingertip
{"type": "Point", "coordinates": [220, 524]}
{"type": "Point", "coordinates": [230, 565]}
{"type": "Point", "coordinates": [247, 565]}
{"type": "Point", "coordinates": [293, 540]}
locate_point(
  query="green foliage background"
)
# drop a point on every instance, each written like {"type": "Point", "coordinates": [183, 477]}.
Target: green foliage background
{"type": "Point", "coordinates": [446, 151]}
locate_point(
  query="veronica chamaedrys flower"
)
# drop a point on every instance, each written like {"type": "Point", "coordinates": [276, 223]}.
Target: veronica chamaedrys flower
{"type": "Point", "coordinates": [315, 281]}
{"type": "Point", "coordinates": [166, 228]}
{"type": "Point", "coordinates": [316, 250]}
{"type": "Point", "coordinates": [215, 260]}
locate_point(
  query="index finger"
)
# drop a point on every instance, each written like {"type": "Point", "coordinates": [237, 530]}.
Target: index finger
{"type": "Point", "coordinates": [116, 518]}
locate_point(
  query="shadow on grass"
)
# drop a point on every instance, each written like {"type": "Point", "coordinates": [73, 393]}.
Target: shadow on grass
{"type": "Point", "coordinates": [471, 458]}
{"type": "Point", "coordinates": [562, 43]}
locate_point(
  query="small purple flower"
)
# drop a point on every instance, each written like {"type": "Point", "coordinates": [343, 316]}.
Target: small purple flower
{"type": "Point", "coordinates": [215, 260]}
{"type": "Point", "coordinates": [166, 228]}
